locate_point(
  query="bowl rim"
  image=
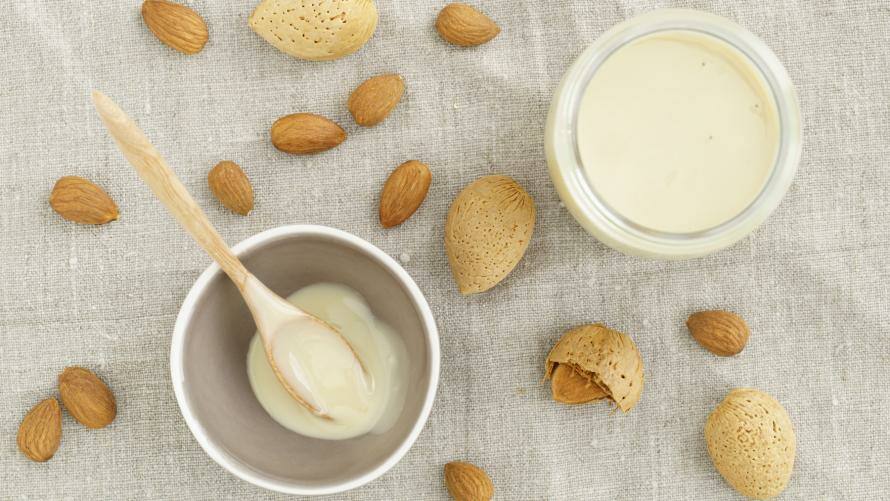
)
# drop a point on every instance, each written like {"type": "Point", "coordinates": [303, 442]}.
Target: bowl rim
{"type": "Point", "coordinates": [246, 472]}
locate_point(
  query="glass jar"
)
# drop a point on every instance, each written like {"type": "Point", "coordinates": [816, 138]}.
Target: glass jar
{"type": "Point", "coordinates": [578, 192]}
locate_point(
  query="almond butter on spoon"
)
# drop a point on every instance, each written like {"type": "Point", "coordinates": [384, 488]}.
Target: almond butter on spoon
{"type": "Point", "coordinates": [292, 338]}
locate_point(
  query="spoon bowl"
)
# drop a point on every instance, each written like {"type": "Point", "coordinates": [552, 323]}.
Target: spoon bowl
{"type": "Point", "coordinates": [274, 316]}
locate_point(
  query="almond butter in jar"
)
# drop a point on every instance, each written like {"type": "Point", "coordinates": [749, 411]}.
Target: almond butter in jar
{"type": "Point", "coordinates": [674, 135]}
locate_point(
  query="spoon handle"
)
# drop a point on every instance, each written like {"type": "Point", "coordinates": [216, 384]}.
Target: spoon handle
{"type": "Point", "coordinates": [166, 186]}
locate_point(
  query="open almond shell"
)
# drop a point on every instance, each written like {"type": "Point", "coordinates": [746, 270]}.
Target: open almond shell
{"type": "Point", "coordinates": [607, 358]}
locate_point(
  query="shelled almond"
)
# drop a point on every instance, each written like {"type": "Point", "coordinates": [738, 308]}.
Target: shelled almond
{"type": "Point", "coordinates": [231, 186]}
{"type": "Point", "coordinates": [41, 431]}
{"type": "Point", "coordinates": [306, 133]}
{"type": "Point", "coordinates": [177, 26]}
{"type": "Point", "coordinates": [372, 101]}
{"type": "Point", "coordinates": [463, 25]}
{"type": "Point", "coordinates": [403, 192]}
{"type": "Point", "coordinates": [79, 200]}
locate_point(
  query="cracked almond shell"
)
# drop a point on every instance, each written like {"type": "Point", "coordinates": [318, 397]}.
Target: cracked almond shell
{"type": "Point", "coordinates": [751, 442]}
{"type": "Point", "coordinates": [607, 358]}
{"type": "Point", "coordinates": [488, 229]}
{"type": "Point", "coordinates": [320, 30]}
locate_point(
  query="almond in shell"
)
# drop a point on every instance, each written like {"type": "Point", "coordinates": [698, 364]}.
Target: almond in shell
{"type": "Point", "coordinates": [607, 360]}
{"type": "Point", "coordinates": [375, 98]}
{"type": "Point", "coordinates": [463, 25]}
{"type": "Point", "coordinates": [175, 25]}
{"type": "Point", "coordinates": [318, 30]}
{"type": "Point", "coordinates": [487, 231]}
{"type": "Point", "coordinates": [41, 431]}
{"type": "Point", "coordinates": [87, 398]}
{"type": "Point", "coordinates": [77, 199]}
{"type": "Point", "coordinates": [467, 482]}
{"type": "Point", "coordinates": [306, 133]}
{"type": "Point", "coordinates": [571, 385]}
{"type": "Point", "coordinates": [403, 192]}
{"type": "Point", "coordinates": [751, 442]}
{"type": "Point", "coordinates": [232, 187]}
{"type": "Point", "coordinates": [722, 333]}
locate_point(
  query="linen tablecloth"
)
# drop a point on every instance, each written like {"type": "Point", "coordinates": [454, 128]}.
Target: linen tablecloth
{"type": "Point", "coordinates": [812, 281]}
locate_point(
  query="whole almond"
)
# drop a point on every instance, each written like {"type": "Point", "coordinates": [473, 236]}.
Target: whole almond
{"type": "Point", "coordinates": [721, 332]}
{"type": "Point", "coordinates": [41, 431]}
{"type": "Point", "coordinates": [176, 25]}
{"type": "Point", "coordinates": [86, 397]}
{"type": "Point", "coordinates": [751, 441]}
{"type": "Point", "coordinates": [230, 185]}
{"type": "Point", "coordinates": [306, 133]}
{"type": "Point", "coordinates": [463, 25]}
{"type": "Point", "coordinates": [403, 192]}
{"type": "Point", "coordinates": [317, 30]}
{"type": "Point", "coordinates": [488, 228]}
{"type": "Point", "coordinates": [77, 199]}
{"type": "Point", "coordinates": [467, 482]}
{"type": "Point", "coordinates": [574, 386]}
{"type": "Point", "coordinates": [375, 98]}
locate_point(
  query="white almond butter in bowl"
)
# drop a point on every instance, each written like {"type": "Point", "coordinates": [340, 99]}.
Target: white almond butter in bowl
{"type": "Point", "coordinates": [674, 135]}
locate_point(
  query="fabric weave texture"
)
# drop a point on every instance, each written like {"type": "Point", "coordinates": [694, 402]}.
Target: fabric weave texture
{"type": "Point", "coordinates": [812, 282]}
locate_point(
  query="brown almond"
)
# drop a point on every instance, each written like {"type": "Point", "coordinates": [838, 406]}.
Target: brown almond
{"type": "Point", "coordinates": [403, 192]}
{"type": "Point", "coordinates": [572, 386]}
{"type": "Point", "coordinates": [463, 25]}
{"type": "Point", "coordinates": [86, 397]}
{"type": "Point", "coordinates": [77, 199]}
{"type": "Point", "coordinates": [175, 25]}
{"type": "Point", "coordinates": [721, 332]}
{"type": "Point", "coordinates": [41, 431]}
{"type": "Point", "coordinates": [375, 98]}
{"type": "Point", "coordinates": [306, 133]}
{"type": "Point", "coordinates": [232, 187]}
{"type": "Point", "coordinates": [467, 482]}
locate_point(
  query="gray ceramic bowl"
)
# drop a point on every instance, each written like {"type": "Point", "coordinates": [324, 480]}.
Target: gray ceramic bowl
{"type": "Point", "coordinates": [209, 349]}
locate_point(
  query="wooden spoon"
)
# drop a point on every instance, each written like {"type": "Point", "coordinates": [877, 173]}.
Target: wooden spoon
{"type": "Point", "coordinates": [274, 316]}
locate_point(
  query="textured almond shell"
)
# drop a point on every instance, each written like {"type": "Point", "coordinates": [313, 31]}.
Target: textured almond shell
{"type": "Point", "coordinates": [176, 25]}
{"type": "Point", "coordinates": [751, 441]}
{"type": "Point", "coordinates": [488, 229]}
{"type": "Point", "coordinates": [41, 431]}
{"type": "Point", "coordinates": [86, 397]}
{"type": "Point", "coordinates": [722, 333]}
{"type": "Point", "coordinates": [231, 186]}
{"type": "Point", "coordinates": [610, 357]}
{"type": "Point", "coordinates": [463, 25]}
{"type": "Point", "coordinates": [372, 101]}
{"type": "Point", "coordinates": [306, 133]}
{"type": "Point", "coordinates": [403, 192]}
{"type": "Point", "coordinates": [77, 199]}
{"type": "Point", "coordinates": [317, 30]}
{"type": "Point", "coordinates": [467, 482]}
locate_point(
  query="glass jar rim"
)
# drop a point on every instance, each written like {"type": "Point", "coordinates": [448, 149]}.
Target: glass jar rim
{"type": "Point", "coordinates": [613, 228]}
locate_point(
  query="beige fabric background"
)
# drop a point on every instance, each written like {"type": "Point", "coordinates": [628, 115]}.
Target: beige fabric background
{"type": "Point", "coordinates": [813, 281]}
